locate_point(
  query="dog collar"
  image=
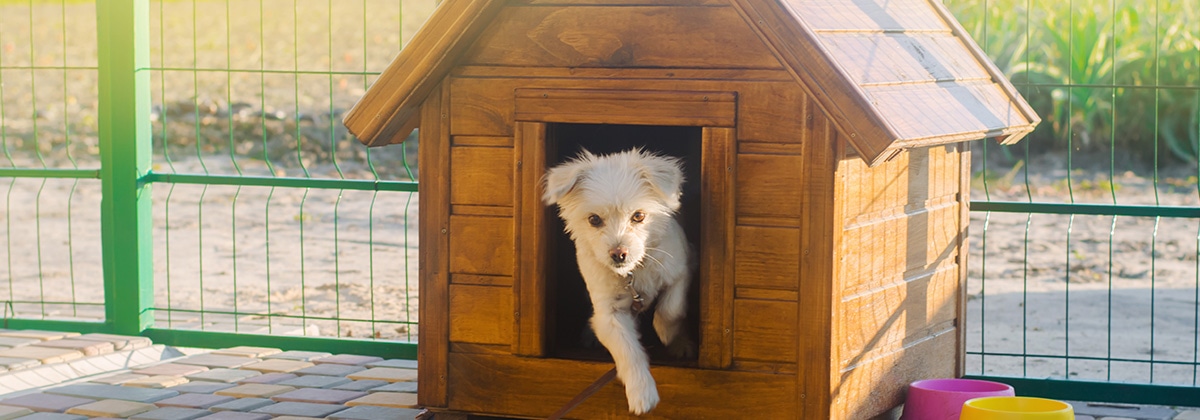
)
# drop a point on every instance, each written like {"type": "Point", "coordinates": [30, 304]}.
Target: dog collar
{"type": "Point", "coordinates": [638, 302]}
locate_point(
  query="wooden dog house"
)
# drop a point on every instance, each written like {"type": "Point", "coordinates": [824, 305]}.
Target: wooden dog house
{"type": "Point", "coordinates": [827, 194]}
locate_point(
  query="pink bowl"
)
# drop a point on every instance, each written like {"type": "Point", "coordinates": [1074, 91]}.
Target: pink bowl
{"type": "Point", "coordinates": [942, 399]}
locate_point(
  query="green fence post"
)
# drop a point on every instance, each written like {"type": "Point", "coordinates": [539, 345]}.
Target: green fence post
{"type": "Point", "coordinates": [123, 45]}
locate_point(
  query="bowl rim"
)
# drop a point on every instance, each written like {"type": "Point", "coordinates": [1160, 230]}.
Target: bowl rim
{"type": "Point", "coordinates": [1066, 407]}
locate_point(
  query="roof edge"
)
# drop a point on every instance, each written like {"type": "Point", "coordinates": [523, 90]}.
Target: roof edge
{"type": "Point", "coordinates": [394, 99]}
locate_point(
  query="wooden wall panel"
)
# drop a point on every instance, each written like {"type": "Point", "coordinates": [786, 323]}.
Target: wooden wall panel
{"type": "Point", "coordinates": [764, 330]}
{"type": "Point", "coordinates": [768, 185]}
{"type": "Point", "coordinates": [481, 245]}
{"type": "Point", "coordinates": [482, 107]}
{"type": "Point", "coordinates": [767, 257]}
{"type": "Point", "coordinates": [481, 314]}
{"type": "Point", "coordinates": [481, 176]}
{"type": "Point", "coordinates": [876, 386]}
{"type": "Point", "coordinates": [773, 112]}
{"type": "Point", "coordinates": [886, 320]}
{"type": "Point", "coordinates": [890, 250]}
{"type": "Point", "coordinates": [607, 36]}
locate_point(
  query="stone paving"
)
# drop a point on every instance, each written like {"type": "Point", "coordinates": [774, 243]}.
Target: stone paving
{"type": "Point", "coordinates": [48, 375]}
{"type": "Point", "coordinates": [56, 375]}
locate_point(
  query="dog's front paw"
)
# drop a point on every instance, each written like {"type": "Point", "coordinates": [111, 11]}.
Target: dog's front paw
{"type": "Point", "coordinates": [642, 396]}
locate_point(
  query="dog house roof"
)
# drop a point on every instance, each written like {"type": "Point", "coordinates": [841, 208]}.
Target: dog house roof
{"type": "Point", "coordinates": [891, 74]}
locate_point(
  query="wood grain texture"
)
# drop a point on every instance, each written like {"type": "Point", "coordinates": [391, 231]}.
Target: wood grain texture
{"type": "Point", "coordinates": [481, 245]}
{"type": "Point", "coordinates": [819, 232]}
{"type": "Point", "coordinates": [769, 185]}
{"type": "Point", "coordinates": [771, 112]}
{"type": "Point", "coordinates": [481, 176]}
{"type": "Point", "coordinates": [434, 212]}
{"type": "Point", "coordinates": [643, 107]}
{"type": "Point", "coordinates": [764, 330]}
{"type": "Point", "coordinates": [716, 247]}
{"type": "Point", "coordinates": [513, 386]}
{"type": "Point", "coordinates": [766, 257]}
{"type": "Point", "coordinates": [533, 237]}
{"type": "Point", "coordinates": [876, 386]}
{"type": "Point", "coordinates": [396, 96]}
{"type": "Point", "coordinates": [481, 314]}
{"type": "Point", "coordinates": [886, 320]}
{"type": "Point", "coordinates": [964, 224]}
{"type": "Point", "coordinates": [912, 58]}
{"type": "Point", "coordinates": [869, 16]}
{"type": "Point", "coordinates": [620, 36]}
{"type": "Point", "coordinates": [622, 2]}
{"type": "Point", "coordinates": [926, 113]}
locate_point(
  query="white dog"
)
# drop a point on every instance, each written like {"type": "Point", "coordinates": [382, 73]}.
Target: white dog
{"type": "Point", "coordinates": [619, 209]}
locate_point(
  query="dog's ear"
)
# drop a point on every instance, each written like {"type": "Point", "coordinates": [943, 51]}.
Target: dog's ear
{"type": "Point", "coordinates": [561, 179]}
{"type": "Point", "coordinates": [665, 175]}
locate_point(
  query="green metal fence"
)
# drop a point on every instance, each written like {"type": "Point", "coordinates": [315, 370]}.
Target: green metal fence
{"type": "Point", "coordinates": [1084, 281]}
{"type": "Point", "coordinates": [178, 169]}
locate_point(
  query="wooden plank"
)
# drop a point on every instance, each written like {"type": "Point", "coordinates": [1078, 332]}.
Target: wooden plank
{"type": "Point", "coordinates": [869, 15]}
{"type": "Point", "coordinates": [767, 258]}
{"type": "Point", "coordinates": [765, 367]}
{"type": "Point", "coordinates": [887, 319]}
{"type": "Point", "coordinates": [481, 176]}
{"type": "Point", "coordinates": [768, 221]}
{"type": "Point", "coordinates": [481, 314]}
{"type": "Point", "coordinates": [716, 247]}
{"type": "Point", "coordinates": [617, 36]}
{"type": "Point", "coordinates": [472, 348]}
{"type": "Point", "coordinates": [533, 237]}
{"type": "Point", "coordinates": [434, 212]}
{"type": "Point", "coordinates": [890, 252]}
{"type": "Point", "coordinates": [751, 147]}
{"type": "Point", "coordinates": [481, 245]}
{"type": "Point", "coordinates": [481, 280]}
{"type": "Point", "coordinates": [771, 112]}
{"type": "Point", "coordinates": [482, 141]}
{"type": "Point", "coordinates": [669, 73]}
{"type": "Point", "coordinates": [534, 388]}
{"type": "Point", "coordinates": [396, 96]}
{"type": "Point", "coordinates": [820, 231]}
{"type": "Point", "coordinates": [910, 57]}
{"type": "Point", "coordinates": [876, 386]}
{"type": "Point", "coordinates": [934, 113]}
{"type": "Point", "coordinates": [481, 107]}
{"type": "Point", "coordinates": [473, 210]}
{"type": "Point", "coordinates": [622, 2]}
{"type": "Point", "coordinates": [765, 294]}
{"type": "Point", "coordinates": [647, 107]}
{"type": "Point", "coordinates": [769, 185]}
{"type": "Point", "coordinates": [764, 330]}
{"type": "Point", "coordinates": [964, 223]}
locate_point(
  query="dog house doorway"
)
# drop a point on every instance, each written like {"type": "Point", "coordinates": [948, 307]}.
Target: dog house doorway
{"type": "Point", "coordinates": [568, 307]}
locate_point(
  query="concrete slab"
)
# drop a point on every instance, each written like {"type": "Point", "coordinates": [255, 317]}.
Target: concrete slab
{"type": "Point", "coordinates": [17, 363]}
{"type": "Point", "coordinates": [330, 370]}
{"type": "Point", "coordinates": [364, 385]}
{"type": "Point", "coordinates": [255, 391]}
{"type": "Point", "coordinates": [315, 381]}
{"type": "Point", "coordinates": [156, 381]}
{"type": "Point", "coordinates": [111, 408]}
{"type": "Point", "coordinates": [371, 412]}
{"type": "Point", "coordinates": [88, 348]}
{"type": "Point", "coordinates": [201, 401]}
{"type": "Point", "coordinates": [223, 375]}
{"type": "Point", "coordinates": [278, 366]}
{"type": "Point", "coordinates": [247, 351]}
{"type": "Point", "coordinates": [214, 361]}
{"type": "Point", "coordinates": [348, 359]}
{"type": "Point", "coordinates": [269, 378]}
{"type": "Point", "coordinates": [318, 396]}
{"type": "Point", "coordinates": [303, 356]}
{"type": "Point", "coordinates": [48, 403]}
{"type": "Point", "coordinates": [170, 369]}
{"type": "Point", "coordinates": [118, 378]}
{"type": "Point", "coordinates": [54, 416]}
{"type": "Point", "coordinates": [387, 399]}
{"type": "Point", "coordinates": [300, 409]}
{"type": "Point", "coordinates": [46, 355]}
{"type": "Point", "coordinates": [201, 387]}
{"type": "Point", "coordinates": [42, 335]}
{"type": "Point", "coordinates": [119, 342]}
{"type": "Point", "coordinates": [101, 392]}
{"type": "Point", "coordinates": [394, 363]}
{"type": "Point", "coordinates": [396, 387]}
{"type": "Point", "coordinates": [235, 415]}
{"type": "Point", "coordinates": [9, 413]}
{"type": "Point", "coordinates": [172, 413]}
{"type": "Point", "coordinates": [10, 342]}
{"type": "Point", "coordinates": [242, 404]}
{"type": "Point", "coordinates": [385, 374]}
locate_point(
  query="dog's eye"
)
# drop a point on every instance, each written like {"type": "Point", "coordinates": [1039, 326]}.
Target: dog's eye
{"type": "Point", "coordinates": [638, 217]}
{"type": "Point", "coordinates": [595, 221]}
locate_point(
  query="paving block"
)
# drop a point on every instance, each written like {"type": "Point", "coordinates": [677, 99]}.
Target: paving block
{"type": "Point", "coordinates": [396, 387]}
{"type": "Point", "coordinates": [387, 399]}
{"type": "Point", "coordinates": [372, 412]}
{"type": "Point", "coordinates": [102, 391]}
{"type": "Point", "coordinates": [157, 381]}
{"type": "Point", "coordinates": [170, 369]}
{"type": "Point", "coordinates": [318, 396]}
{"type": "Point", "coordinates": [315, 381]}
{"type": "Point", "coordinates": [118, 378]}
{"type": "Point", "coordinates": [1140, 412]}
{"type": "Point", "coordinates": [172, 413]}
{"type": "Point", "coordinates": [269, 378]}
{"type": "Point", "coordinates": [394, 363]}
{"type": "Point", "coordinates": [241, 404]}
{"type": "Point", "coordinates": [119, 342]}
{"type": "Point", "coordinates": [45, 355]}
{"type": "Point", "coordinates": [255, 391]}
{"type": "Point", "coordinates": [300, 409]}
{"type": "Point", "coordinates": [7, 413]}
{"type": "Point", "coordinates": [303, 356]}
{"type": "Point", "coordinates": [201, 387]}
{"type": "Point", "coordinates": [88, 348]}
{"type": "Point", "coordinates": [222, 375]}
{"type": "Point", "coordinates": [202, 401]}
{"type": "Point", "coordinates": [214, 361]}
{"type": "Point", "coordinates": [247, 351]}
{"type": "Point", "coordinates": [17, 363]}
{"type": "Point", "coordinates": [49, 403]}
{"type": "Point", "coordinates": [10, 342]}
{"type": "Point", "coordinates": [42, 335]}
{"type": "Point", "coordinates": [234, 415]}
{"type": "Point", "coordinates": [362, 385]}
{"type": "Point", "coordinates": [330, 370]}
{"type": "Point", "coordinates": [277, 366]}
{"type": "Point", "coordinates": [385, 374]}
{"type": "Point", "coordinates": [111, 408]}
{"type": "Point", "coordinates": [54, 416]}
{"type": "Point", "coordinates": [1188, 415]}
{"type": "Point", "coordinates": [295, 418]}
{"type": "Point", "coordinates": [348, 359]}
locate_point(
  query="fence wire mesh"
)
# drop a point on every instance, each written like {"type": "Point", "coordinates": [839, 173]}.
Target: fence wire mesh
{"type": "Point", "coordinates": [1084, 238]}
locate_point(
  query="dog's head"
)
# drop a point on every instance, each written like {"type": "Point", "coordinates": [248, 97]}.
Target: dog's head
{"type": "Point", "coordinates": [613, 205]}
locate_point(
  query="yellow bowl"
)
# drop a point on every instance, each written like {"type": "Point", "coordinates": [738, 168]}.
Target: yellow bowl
{"type": "Point", "coordinates": [1016, 408]}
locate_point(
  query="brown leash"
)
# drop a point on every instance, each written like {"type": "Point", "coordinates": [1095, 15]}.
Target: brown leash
{"type": "Point", "coordinates": [587, 392]}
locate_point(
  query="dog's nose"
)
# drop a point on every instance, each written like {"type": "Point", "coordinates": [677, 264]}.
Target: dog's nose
{"type": "Point", "coordinates": [618, 254]}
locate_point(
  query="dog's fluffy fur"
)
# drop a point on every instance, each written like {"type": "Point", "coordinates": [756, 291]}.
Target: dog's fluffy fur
{"type": "Point", "coordinates": [619, 209]}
